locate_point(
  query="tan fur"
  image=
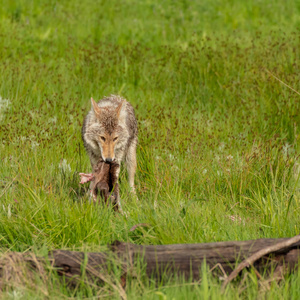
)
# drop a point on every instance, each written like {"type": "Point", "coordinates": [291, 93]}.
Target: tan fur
{"type": "Point", "coordinates": [109, 132]}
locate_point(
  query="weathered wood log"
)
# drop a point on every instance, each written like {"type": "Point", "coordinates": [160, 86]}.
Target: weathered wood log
{"type": "Point", "coordinates": [182, 259]}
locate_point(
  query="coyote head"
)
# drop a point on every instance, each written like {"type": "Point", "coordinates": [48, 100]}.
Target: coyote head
{"type": "Point", "coordinates": [109, 132]}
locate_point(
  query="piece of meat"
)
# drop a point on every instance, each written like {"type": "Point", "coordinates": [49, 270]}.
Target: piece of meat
{"type": "Point", "coordinates": [106, 182]}
{"type": "Point", "coordinates": [102, 178]}
{"type": "Point", "coordinates": [102, 188]}
{"type": "Point", "coordinates": [86, 177]}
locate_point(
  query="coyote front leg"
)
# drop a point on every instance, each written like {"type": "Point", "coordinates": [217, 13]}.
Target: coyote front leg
{"type": "Point", "coordinates": [131, 164]}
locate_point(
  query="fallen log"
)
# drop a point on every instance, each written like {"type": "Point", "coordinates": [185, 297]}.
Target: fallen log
{"type": "Point", "coordinates": [182, 259]}
{"type": "Point", "coordinates": [177, 259]}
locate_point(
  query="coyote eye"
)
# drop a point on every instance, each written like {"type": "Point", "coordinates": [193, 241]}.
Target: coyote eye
{"type": "Point", "coordinates": [102, 138]}
{"type": "Point", "coordinates": [115, 138]}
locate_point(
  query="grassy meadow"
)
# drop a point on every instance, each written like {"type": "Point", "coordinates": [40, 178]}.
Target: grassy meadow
{"type": "Point", "coordinates": [219, 138]}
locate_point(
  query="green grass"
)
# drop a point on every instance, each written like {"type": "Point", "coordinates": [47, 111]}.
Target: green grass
{"type": "Point", "coordinates": [218, 134]}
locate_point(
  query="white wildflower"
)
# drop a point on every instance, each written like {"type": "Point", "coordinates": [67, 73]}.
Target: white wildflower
{"type": "Point", "coordinates": [221, 147]}
{"type": "Point", "coordinates": [32, 137]}
{"type": "Point", "coordinates": [229, 157]}
{"type": "Point", "coordinates": [34, 145]}
{"type": "Point", "coordinates": [64, 166]}
{"type": "Point", "coordinates": [287, 150]}
{"type": "Point", "coordinates": [53, 120]}
{"type": "Point", "coordinates": [32, 113]}
{"type": "Point", "coordinates": [4, 105]}
{"type": "Point", "coordinates": [204, 171]}
{"type": "Point", "coordinates": [16, 294]}
{"type": "Point", "coordinates": [171, 157]}
{"type": "Point", "coordinates": [8, 210]}
{"type": "Point", "coordinates": [209, 123]}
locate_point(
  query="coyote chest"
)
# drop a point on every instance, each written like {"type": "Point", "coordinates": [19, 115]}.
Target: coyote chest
{"type": "Point", "coordinates": [109, 134]}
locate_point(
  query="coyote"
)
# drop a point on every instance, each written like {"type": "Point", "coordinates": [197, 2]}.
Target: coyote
{"type": "Point", "coordinates": [109, 134]}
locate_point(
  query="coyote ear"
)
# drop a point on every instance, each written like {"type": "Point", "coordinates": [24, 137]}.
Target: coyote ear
{"type": "Point", "coordinates": [96, 108]}
{"type": "Point", "coordinates": [119, 108]}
